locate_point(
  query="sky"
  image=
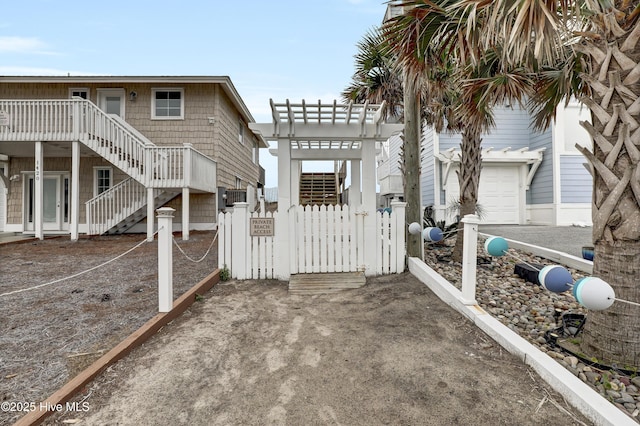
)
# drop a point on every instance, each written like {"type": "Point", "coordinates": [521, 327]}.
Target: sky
{"type": "Point", "coordinates": [271, 49]}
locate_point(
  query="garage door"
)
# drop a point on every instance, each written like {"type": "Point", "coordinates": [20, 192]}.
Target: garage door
{"type": "Point", "coordinates": [498, 194]}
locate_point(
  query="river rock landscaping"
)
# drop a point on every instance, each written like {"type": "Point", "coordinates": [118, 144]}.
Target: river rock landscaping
{"type": "Point", "coordinates": [533, 313]}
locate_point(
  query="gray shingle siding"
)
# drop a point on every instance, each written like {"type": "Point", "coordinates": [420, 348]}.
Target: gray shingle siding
{"type": "Point", "coordinates": [575, 181]}
{"type": "Point", "coordinates": [541, 190]}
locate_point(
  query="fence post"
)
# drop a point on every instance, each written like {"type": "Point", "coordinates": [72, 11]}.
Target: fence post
{"type": "Point", "coordinates": [469, 258]}
{"type": "Point", "coordinates": [239, 247]}
{"type": "Point", "coordinates": [398, 210]}
{"type": "Point", "coordinates": [165, 259]}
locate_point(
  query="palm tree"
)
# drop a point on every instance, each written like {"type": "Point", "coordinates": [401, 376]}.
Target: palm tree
{"type": "Point", "coordinates": [603, 69]}
{"type": "Point", "coordinates": [432, 46]}
{"type": "Point", "coordinates": [376, 80]}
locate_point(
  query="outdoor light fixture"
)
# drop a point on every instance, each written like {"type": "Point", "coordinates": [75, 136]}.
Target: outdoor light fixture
{"type": "Point", "coordinates": [133, 95]}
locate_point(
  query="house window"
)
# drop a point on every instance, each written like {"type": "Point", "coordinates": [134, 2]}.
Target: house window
{"type": "Point", "coordinates": [167, 104]}
{"type": "Point", "coordinates": [103, 178]}
{"type": "Point", "coordinates": [241, 131]}
{"type": "Point", "coordinates": [238, 183]}
{"type": "Point", "coordinates": [75, 92]}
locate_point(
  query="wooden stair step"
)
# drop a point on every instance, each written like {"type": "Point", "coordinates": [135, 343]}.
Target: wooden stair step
{"type": "Point", "coordinates": [330, 282]}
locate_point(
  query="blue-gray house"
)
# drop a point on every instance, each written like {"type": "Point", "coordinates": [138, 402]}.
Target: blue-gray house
{"type": "Point", "coordinates": [527, 177]}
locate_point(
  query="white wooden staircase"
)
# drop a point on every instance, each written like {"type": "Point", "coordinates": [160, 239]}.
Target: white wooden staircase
{"type": "Point", "coordinates": [164, 169]}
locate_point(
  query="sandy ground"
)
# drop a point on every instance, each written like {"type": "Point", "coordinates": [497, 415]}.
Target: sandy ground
{"type": "Point", "coordinates": [388, 353]}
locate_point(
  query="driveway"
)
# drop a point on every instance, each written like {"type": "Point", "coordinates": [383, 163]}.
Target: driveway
{"type": "Point", "coordinates": [567, 239]}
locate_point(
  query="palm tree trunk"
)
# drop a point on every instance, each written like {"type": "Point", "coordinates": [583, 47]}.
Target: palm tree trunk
{"type": "Point", "coordinates": [613, 335]}
{"type": "Point", "coordinates": [411, 149]}
{"type": "Point", "coordinates": [469, 179]}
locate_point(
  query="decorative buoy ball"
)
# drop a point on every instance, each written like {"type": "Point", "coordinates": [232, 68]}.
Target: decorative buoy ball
{"type": "Point", "coordinates": [555, 278]}
{"type": "Point", "coordinates": [496, 246]}
{"type": "Point", "coordinates": [432, 234]}
{"type": "Point", "coordinates": [415, 228]}
{"type": "Point", "coordinates": [594, 293]}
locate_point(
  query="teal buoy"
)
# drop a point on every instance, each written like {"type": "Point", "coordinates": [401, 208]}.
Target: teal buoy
{"type": "Point", "coordinates": [496, 246]}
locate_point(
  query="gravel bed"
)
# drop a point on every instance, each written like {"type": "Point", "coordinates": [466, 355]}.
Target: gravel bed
{"type": "Point", "coordinates": [50, 334]}
{"type": "Point", "coordinates": [531, 311]}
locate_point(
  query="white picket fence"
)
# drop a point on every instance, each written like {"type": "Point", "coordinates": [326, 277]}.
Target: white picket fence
{"type": "Point", "coordinates": [320, 239]}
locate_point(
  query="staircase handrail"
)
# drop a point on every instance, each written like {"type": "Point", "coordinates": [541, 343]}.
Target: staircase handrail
{"type": "Point", "coordinates": [109, 207]}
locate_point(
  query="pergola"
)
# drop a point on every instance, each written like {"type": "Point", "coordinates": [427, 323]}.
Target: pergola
{"type": "Point", "coordinates": [328, 132]}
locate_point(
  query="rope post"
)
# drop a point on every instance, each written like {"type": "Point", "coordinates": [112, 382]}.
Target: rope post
{"type": "Point", "coordinates": [165, 259]}
{"type": "Point", "coordinates": [469, 258]}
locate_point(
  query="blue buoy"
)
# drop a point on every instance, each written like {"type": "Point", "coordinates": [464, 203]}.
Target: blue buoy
{"type": "Point", "coordinates": [496, 246]}
{"type": "Point", "coordinates": [432, 234]}
{"type": "Point", "coordinates": [555, 278]}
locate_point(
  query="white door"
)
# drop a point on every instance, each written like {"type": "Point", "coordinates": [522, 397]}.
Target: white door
{"type": "Point", "coordinates": [498, 194]}
{"type": "Point", "coordinates": [55, 210]}
{"type": "Point", "coordinates": [112, 101]}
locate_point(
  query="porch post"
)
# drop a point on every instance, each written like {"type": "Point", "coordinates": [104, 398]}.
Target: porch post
{"type": "Point", "coordinates": [150, 209]}
{"type": "Point", "coordinates": [75, 190]}
{"type": "Point", "coordinates": [282, 265]}
{"type": "Point", "coordinates": [469, 258]}
{"type": "Point", "coordinates": [369, 205]}
{"type": "Point", "coordinates": [355, 195]}
{"type": "Point", "coordinates": [185, 214]}
{"type": "Point", "coordinates": [39, 190]}
{"type": "Point", "coordinates": [185, 190]}
{"type": "Point", "coordinates": [295, 181]}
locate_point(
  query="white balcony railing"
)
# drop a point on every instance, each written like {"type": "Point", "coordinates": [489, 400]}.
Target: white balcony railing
{"type": "Point", "coordinates": [78, 119]}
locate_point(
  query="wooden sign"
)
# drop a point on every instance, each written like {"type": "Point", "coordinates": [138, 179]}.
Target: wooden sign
{"type": "Point", "coordinates": [261, 227]}
{"type": "Point", "coordinates": [4, 118]}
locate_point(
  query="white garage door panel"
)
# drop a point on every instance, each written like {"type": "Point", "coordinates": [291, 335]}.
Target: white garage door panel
{"type": "Point", "coordinates": [498, 193]}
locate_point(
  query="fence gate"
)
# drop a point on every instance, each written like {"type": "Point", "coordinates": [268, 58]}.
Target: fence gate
{"type": "Point", "coordinates": [318, 239]}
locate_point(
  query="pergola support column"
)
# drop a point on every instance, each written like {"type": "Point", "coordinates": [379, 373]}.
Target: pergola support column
{"type": "Point", "coordinates": [355, 191]}
{"type": "Point", "coordinates": [283, 266]}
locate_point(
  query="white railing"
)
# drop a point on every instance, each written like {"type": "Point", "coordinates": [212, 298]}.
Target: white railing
{"type": "Point", "coordinates": [114, 205]}
{"type": "Point", "coordinates": [35, 120]}
{"type": "Point", "coordinates": [109, 136]}
{"type": "Point", "coordinates": [323, 239]}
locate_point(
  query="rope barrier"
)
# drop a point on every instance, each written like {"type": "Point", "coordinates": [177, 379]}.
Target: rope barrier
{"type": "Point", "coordinates": [79, 273]}
{"type": "Point", "coordinates": [202, 258]}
